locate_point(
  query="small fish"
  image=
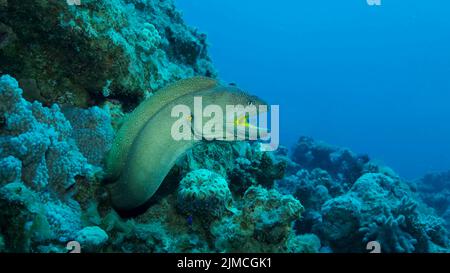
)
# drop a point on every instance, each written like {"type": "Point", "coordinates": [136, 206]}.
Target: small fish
{"type": "Point", "coordinates": [189, 220]}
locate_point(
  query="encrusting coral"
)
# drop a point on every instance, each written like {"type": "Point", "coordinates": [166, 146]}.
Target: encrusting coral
{"type": "Point", "coordinates": [263, 223]}
{"type": "Point", "coordinates": [77, 54]}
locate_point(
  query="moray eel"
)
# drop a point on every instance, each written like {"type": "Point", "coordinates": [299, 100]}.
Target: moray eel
{"type": "Point", "coordinates": [152, 152]}
{"type": "Point", "coordinates": [133, 123]}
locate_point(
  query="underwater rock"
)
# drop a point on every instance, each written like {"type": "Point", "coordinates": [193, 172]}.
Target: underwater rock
{"type": "Point", "coordinates": [306, 243]}
{"type": "Point", "coordinates": [91, 238]}
{"type": "Point", "coordinates": [314, 188]}
{"type": "Point", "coordinates": [342, 164]}
{"type": "Point", "coordinates": [339, 221]}
{"type": "Point", "coordinates": [380, 208]}
{"type": "Point", "coordinates": [17, 209]}
{"type": "Point", "coordinates": [242, 163]}
{"type": "Point", "coordinates": [434, 189]}
{"type": "Point", "coordinates": [204, 193]}
{"type": "Point", "coordinates": [262, 224]}
{"type": "Point", "coordinates": [159, 230]}
{"type": "Point", "coordinates": [77, 54]}
{"type": "Point", "coordinates": [346, 214]}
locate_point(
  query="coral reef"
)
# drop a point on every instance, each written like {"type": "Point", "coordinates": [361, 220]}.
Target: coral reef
{"type": "Point", "coordinates": [346, 213]}
{"type": "Point", "coordinates": [82, 68]}
{"type": "Point", "coordinates": [78, 54]}
{"type": "Point", "coordinates": [224, 197]}
{"type": "Point", "coordinates": [340, 163]}
{"type": "Point", "coordinates": [243, 164]}
{"type": "Point", "coordinates": [434, 189]}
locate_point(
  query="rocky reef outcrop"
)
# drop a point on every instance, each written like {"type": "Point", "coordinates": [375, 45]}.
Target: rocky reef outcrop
{"type": "Point", "coordinates": [434, 190]}
{"type": "Point", "coordinates": [82, 54]}
{"type": "Point", "coordinates": [351, 201]}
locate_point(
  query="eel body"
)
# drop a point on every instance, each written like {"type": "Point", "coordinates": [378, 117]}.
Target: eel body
{"type": "Point", "coordinates": [135, 121]}
{"type": "Point", "coordinates": [153, 152]}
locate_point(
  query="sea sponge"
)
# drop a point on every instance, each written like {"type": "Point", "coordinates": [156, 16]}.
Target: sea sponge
{"type": "Point", "coordinates": [204, 193]}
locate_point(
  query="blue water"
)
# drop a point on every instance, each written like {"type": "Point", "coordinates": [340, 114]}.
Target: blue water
{"type": "Point", "coordinates": [374, 79]}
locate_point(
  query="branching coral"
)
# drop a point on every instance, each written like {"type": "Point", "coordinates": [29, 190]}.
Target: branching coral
{"type": "Point", "coordinates": [389, 232]}
{"type": "Point", "coordinates": [40, 165]}
{"type": "Point", "coordinates": [39, 138]}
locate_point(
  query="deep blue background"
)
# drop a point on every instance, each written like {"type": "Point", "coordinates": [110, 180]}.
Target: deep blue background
{"type": "Point", "coordinates": [374, 79]}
